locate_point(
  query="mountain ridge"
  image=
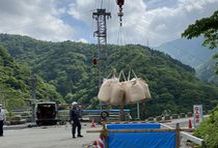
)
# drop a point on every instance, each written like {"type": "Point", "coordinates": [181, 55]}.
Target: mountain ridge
{"type": "Point", "coordinates": [190, 52]}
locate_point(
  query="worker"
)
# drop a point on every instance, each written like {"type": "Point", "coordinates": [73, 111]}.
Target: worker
{"type": "Point", "coordinates": [75, 115]}
{"type": "Point", "coordinates": [2, 119]}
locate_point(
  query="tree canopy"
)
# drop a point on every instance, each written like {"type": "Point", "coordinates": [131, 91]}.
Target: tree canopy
{"type": "Point", "coordinates": [208, 27]}
{"type": "Point", "coordinates": [208, 129]}
{"type": "Point", "coordinates": [15, 86]}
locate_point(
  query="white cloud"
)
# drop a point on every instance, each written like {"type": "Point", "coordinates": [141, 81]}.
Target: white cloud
{"type": "Point", "coordinates": [82, 40]}
{"type": "Point", "coordinates": [143, 21]}
{"type": "Point", "coordinates": [156, 20]}
{"type": "Point", "coordinates": [38, 19]}
{"type": "Point", "coordinates": [75, 11]}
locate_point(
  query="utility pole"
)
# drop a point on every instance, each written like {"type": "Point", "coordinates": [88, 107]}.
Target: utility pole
{"type": "Point", "coordinates": [33, 94]}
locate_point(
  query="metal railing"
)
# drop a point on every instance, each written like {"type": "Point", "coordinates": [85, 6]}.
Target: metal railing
{"type": "Point", "coordinates": [187, 136]}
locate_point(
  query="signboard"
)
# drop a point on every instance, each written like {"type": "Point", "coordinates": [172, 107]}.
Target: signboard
{"type": "Point", "coordinates": [198, 115]}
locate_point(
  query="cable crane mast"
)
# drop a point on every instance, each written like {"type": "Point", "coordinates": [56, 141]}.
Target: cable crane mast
{"type": "Point", "coordinates": [101, 33]}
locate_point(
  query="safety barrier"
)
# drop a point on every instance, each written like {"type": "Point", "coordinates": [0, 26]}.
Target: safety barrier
{"type": "Point", "coordinates": [178, 133]}
{"type": "Point", "coordinates": [184, 136]}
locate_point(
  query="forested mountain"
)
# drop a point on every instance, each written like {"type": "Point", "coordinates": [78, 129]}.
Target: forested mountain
{"type": "Point", "coordinates": [207, 72]}
{"type": "Point", "coordinates": [68, 66]}
{"type": "Point", "coordinates": [190, 52]}
{"type": "Point", "coordinates": [15, 83]}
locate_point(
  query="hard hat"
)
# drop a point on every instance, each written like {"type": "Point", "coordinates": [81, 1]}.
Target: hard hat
{"type": "Point", "coordinates": [74, 103]}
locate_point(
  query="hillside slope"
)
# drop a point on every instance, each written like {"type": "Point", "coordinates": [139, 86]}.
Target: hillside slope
{"type": "Point", "coordinates": [15, 84]}
{"type": "Point", "coordinates": [68, 66]}
{"type": "Point", "coordinates": [207, 72]}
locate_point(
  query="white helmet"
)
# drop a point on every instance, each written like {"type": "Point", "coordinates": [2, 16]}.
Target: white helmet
{"type": "Point", "coordinates": [74, 103]}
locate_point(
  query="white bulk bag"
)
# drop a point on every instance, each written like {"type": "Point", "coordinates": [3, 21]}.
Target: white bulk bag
{"type": "Point", "coordinates": [117, 94]}
{"type": "Point", "coordinates": [146, 88]}
{"type": "Point", "coordinates": [136, 90]}
{"type": "Point", "coordinates": [104, 93]}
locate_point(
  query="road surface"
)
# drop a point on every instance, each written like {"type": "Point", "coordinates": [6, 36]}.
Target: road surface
{"type": "Point", "coordinates": [58, 136]}
{"type": "Point", "coordinates": [183, 122]}
{"type": "Point", "coordinates": [45, 137]}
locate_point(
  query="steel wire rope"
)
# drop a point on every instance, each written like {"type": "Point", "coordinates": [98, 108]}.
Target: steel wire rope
{"type": "Point", "coordinates": [105, 63]}
{"type": "Point", "coordinates": [125, 35]}
{"type": "Point", "coordinates": [108, 4]}
{"type": "Point", "coordinates": [119, 36]}
{"type": "Point", "coordinates": [109, 23]}
{"type": "Point", "coordinates": [111, 36]}
{"type": "Point", "coordinates": [101, 4]}
{"type": "Point", "coordinates": [94, 53]}
{"type": "Point", "coordinates": [122, 36]}
{"type": "Point", "coordinates": [95, 4]}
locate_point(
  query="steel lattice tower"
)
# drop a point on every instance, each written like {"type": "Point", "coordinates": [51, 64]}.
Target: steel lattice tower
{"type": "Point", "coordinates": [101, 33]}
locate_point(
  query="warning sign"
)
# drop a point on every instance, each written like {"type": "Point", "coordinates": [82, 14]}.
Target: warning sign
{"type": "Point", "coordinates": [198, 115]}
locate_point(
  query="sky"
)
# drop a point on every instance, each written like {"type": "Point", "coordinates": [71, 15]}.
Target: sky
{"type": "Point", "coordinates": [145, 22]}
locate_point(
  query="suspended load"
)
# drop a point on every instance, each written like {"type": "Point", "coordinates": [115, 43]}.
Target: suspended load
{"type": "Point", "coordinates": [136, 90]}
{"type": "Point", "coordinates": [116, 92]}
{"type": "Point", "coordinates": [105, 91]}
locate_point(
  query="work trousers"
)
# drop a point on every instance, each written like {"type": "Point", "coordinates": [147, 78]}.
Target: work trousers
{"type": "Point", "coordinates": [1, 127]}
{"type": "Point", "coordinates": [74, 126]}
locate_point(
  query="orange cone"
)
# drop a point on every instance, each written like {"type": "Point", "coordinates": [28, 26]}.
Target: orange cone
{"type": "Point", "coordinates": [189, 123]}
{"type": "Point", "coordinates": [93, 123]}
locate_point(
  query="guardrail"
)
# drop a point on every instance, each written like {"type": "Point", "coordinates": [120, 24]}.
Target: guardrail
{"type": "Point", "coordinates": [187, 137]}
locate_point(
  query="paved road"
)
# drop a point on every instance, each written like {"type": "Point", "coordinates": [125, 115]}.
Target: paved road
{"type": "Point", "coordinates": [45, 137]}
{"type": "Point", "coordinates": [183, 122]}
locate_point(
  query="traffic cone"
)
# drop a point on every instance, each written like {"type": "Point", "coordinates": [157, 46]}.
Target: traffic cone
{"type": "Point", "coordinates": [93, 123]}
{"type": "Point", "coordinates": [189, 123]}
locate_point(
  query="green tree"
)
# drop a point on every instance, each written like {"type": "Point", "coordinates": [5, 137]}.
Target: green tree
{"type": "Point", "coordinates": [208, 130]}
{"type": "Point", "coordinates": [208, 27]}
{"type": "Point", "coordinates": [15, 86]}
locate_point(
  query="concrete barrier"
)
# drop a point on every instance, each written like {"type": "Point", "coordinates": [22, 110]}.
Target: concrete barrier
{"type": "Point", "coordinates": [167, 117]}
{"type": "Point", "coordinates": [158, 118]}
{"type": "Point", "coordinates": [175, 116]}
{"type": "Point", "coordinates": [182, 115]}
{"type": "Point", "coordinates": [190, 114]}
{"type": "Point", "coordinates": [151, 119]}
{"type": "Point", "coordinates": [21, 126]}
